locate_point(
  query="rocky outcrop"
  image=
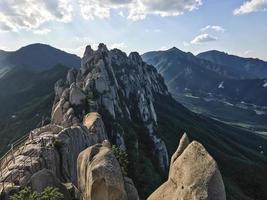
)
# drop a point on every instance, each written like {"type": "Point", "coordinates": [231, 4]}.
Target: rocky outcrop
{"type": "Point", "coordinates": [113, 84]}
{"type": "Point", "coordinates": [71, 141]}
{"type": "Point", "coordinates": [193, 174]}
{"type": "Point", "coordinates": [45, 178]}
{"type": "Point", "coordinates": [54, 148]}
{"type": "Point", "coordinates": [130, 189]}
{"type": "Point", "coordinates": [100, 176]}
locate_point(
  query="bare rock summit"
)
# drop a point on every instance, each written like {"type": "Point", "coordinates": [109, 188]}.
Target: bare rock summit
{"type": "Point", "coordinates": [193, 175]}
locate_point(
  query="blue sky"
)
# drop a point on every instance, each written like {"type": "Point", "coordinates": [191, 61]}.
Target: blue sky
{"type": "Point", "coordinates": [234, 26]}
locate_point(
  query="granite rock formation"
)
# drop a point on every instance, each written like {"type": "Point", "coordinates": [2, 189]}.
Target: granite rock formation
{"type": "Point", "coordinates": [100, 176]}
{"type": "Point", "coordinates": [51, 147]}
{"type": "Point", "coordinates": [46, 178]}
{"type": "Point", "coordinates": [114, 84]}
{"type": "Point", "coordinates": [193, 174]}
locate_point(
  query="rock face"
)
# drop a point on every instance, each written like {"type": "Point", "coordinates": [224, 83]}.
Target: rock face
{"type": "Point", "coordinates": [100, 176]}
{"type": "Point", "coordinates": [115, 85]}
{"type": "Point", "coordinates": [54, 148]}
{"type": "Point", "coordinates": [45, 178]}
{"type": "Point", "coordinates": [193, 174]}
{"type": "Point", "coordinates": [130, 189]}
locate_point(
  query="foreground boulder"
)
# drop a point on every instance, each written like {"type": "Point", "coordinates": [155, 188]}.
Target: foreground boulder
{"type": "Point", "coordinates": [100, 176]}
{"type": "Point", "coordinates": [193, 175]}
{"type": "Point", "coordinates": [131, 191]}
{"type": "Point", "coordinates": [52, 148]}
{"type": "Point", "coordinates": [45, 178]}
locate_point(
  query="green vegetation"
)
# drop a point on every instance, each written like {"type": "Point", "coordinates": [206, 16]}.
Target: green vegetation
{"type": "Point", "coordinates": [227, 113]}
{"type": "Point", "coordinates": [26, 97]}
{"type": "Point", "coordinates": [49, 193]}
{"type": "Point", "coordinates": [143, 168]}
{"type": "Point", "coordinates": [122, 158]}
{"type": "Point", "coordinates": [237, 152]}
{"type": "Point", "coordinates": [57, 143]}
{"type": "Point", "coordinates": [142, 165]}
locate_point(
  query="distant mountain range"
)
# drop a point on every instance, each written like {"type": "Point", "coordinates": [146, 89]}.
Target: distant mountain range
{"type": "Point", "coordinates": [238, 80]}
{"type": "Point", "coordinates": [248, 68]}
{"type": "Point", "coordinates": [27, 78]}
{"type": "Point", "coordinates": [37, 57]}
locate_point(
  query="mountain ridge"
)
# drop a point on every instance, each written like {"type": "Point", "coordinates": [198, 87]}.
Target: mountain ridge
{"type": "Point", "coordinates": [255, 67]}
{"type": "Point", "coordinates": [214, 51]}
{"type": "Point", "coordinates": [186, 73]}
{"type": "Point", "coordinates": [38, 57]}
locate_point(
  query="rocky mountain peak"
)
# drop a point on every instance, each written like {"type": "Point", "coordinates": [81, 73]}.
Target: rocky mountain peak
{"type": "Point", "coordinates": [193, 174]}
{"type": "Point", "coordinates": [88, 51]}
{"type": "Point", "coordinates": [135, 57]}
{"type": "Point", "coordinates": [174, 49]}
{"type": "Point", "coordinates": [115, 85]}
{"type": "Point", "coordinates": [102, 47]}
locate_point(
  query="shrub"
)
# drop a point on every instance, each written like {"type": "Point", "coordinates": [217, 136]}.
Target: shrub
{"type": "Point", "coordinates": [57, 143]}
{"type": "Point", "coordinates": [49, 193]}
{"type": "Point", "coordinates": [122, 158]}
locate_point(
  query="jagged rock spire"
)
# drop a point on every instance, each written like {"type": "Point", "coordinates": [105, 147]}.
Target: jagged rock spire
{"type": "Point", "coordinates": [102, 47]}
{"type": "Point", "coordinates": [88, 51]}
{"type": "Point", "coordinates": [193, 174]}
{"type": "Point", "coordinates": [136, 58]}
{"type": "Point", "coordinates": [184, 142]}
{"type": "Point", "coordinates": [122, 85]}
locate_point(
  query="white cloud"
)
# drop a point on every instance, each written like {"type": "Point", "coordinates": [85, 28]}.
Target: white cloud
{"type": "Point", "coordinates": [120, 45]}
{"type": "Point", "coordinates": [186, 44]}
{"type": "Point", "coordinates": [101, 9]}
{"type": "Point", "coordinates": [251, 6]}
{"type": "Point", "coordinates": [157, 30]}
{"type": "Point", "coordinates": [77, 50]}
{"type": "Point", "coordinates": [121, 13]}
{"type": "Point", "coordinates": [44, 31]}
{"type": "Point", "coordinates": [30, 14]}
{"type": "Point", "coordinates": [137, 9]}
{"type": "Point", "coordinates": [203, 38]}
{"type": "Point", "coordinates": [247, 53]}
{"type": "Point", "coordinates": [213, 27]}
{"type": "Point", "coordinates": [153, 30]}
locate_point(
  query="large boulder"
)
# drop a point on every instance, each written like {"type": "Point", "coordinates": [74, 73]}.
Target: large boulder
{"type": "Point", "coordinates": [100, 176]}
{"type": "Point", "coordinates": [52, 147]}
{"type": "Point", "coordinates": [73, 140]}
{"type": "Point", "coordinates": [94, 123]}
{"type": "Point", "coordinates": [194, 175]}
{"type": "Point", "coordinates": [131, 191]}
{"type": "Point", "coordinates": [57, 112]}
{"type": "Point", "coordinates": [77, 97]}
{"type": "Point", "coordinates": [46, 178]}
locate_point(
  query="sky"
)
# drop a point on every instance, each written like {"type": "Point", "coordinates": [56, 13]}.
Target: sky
{"type": "Point", "coordinates": [235, 26]}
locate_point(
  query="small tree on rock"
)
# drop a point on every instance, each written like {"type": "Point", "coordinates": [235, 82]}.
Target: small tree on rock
{"type": "Point", "coordinates": [122, 158]}
{"type": "Point", "coordinates": [49, 193]}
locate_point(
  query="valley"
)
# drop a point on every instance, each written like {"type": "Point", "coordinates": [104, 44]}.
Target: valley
{"type": "Point", "coordinates": [225, 87]}
{"type": "Point", "coordinates": [248, 117]}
